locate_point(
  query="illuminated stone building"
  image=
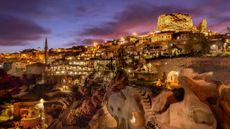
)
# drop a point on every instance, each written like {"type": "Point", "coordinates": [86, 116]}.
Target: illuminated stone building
{"type": "Point", "coordinates": [35, 69]}
{"type": "Point", "coordinates": [72, 67]}
{"type": "Point", "coordinates": [152, 51]}
{"type": "Point", "coordinates": [17, 68]}
{"type": "Point", "coordinates": [162, 37]}
{"type": "Point", "coordinates": [175, 22]}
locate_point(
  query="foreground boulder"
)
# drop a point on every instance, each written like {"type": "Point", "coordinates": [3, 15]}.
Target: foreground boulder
{"type": "Point", "coordinates": [190, 113]}
{"type": "Point", "coordinates": [136, 108]}
{"type": "Point", "coordinates": [124, 107]}
{"type": "Point", "coordinates": [212, 88]}
{"type": "Point", "coordinates": [222, 107]}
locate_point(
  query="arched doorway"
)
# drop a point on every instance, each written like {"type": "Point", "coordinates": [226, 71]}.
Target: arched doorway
{"type": "Point", "coordinates": [172, 80]}
{"type": "Point", "coordinates": [214, 48]}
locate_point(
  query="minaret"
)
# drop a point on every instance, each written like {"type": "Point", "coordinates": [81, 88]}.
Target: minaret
{"type": "Point", "coordinates": [46, 51]}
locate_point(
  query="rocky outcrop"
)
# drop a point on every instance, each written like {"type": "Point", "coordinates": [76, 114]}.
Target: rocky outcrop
{"type": "Point", "coordinates": [125, 108]}
{"type": "Point", "coordinates": [190, 113]}
{"type": "Point", "coordinates": [222, 107]}
{"type": "Point", "coordinates": [85, 111]}
{"type": "Point", "coordinates": [103, 120]}
{"type": "Point", "coordinates": [202, 27]}
{"type": "Point", "coordinates": [138, 108]}
{"type": "Point", "coordinates": [200, 84]}
{"type": "Point", "coordinates": [209, 89]}
{"type": "Point", "coordinates": [159, 112]}
{"type": "Point", "coordinates": [159, 102]}
{"type": "Point", "coordinates": [146, 101]}
{"type": "Point", "coordinates": [175, 22]}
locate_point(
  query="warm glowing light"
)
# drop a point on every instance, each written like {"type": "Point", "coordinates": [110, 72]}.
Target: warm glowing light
{"type": "Point", "coordinates": [214, 46]}
{"type": "Point", "coordinates": [134, 33]}
{"type": "Point", "coordinates": [151, 33]}
{"type": "Point", "coordinates": [95, 43]}
{"type": "Point", "coordinates": [176, 73]}
{"type": "Point", "coordinates": [122, 39]}
{"type": "Point", "coordinates": [41, 101]}
{"type": "Point", "coordinates": [133, 119]}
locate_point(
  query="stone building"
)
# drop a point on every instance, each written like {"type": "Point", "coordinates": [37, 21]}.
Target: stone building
{"type": "Point", "coordinates": [162, 37]}
{"type": "Point", "coordinates": [17, 68]}
{"type": "Point", "coordinates": [36, 69]}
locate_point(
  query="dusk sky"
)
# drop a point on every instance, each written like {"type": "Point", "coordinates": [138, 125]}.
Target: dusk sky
{"type": "Point", "coordinates": [26, 23]}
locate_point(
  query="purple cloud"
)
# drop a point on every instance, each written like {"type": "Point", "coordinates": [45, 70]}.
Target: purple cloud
{"type": "Point", "coordinates": [26, 7]}
{"type": "Point", "coordinates": [87, 41]}
{"type": "Point", "coordinates": [134, 18]}
{"type": "Point", "coordinates": [18, 31]}
{"type": "Point", "coordinates": [25, 21]}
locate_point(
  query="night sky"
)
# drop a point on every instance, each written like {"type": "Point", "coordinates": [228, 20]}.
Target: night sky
{"type": "Point", "coordinates": [26, 23]}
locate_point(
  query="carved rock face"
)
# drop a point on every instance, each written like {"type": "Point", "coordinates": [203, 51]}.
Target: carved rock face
{"type": "Point", "coordinates": [190, 113]}
{"type": "Point", "coordinates": [222, 108]}
{"type": "Point", "coordinates": [126, 110]}
{"type": "Point", "coordinates": [187, 115]}
{"type": "Point", "coordinates": [175, 22]}
{"type": "Point", "coordinates": [224, 93]}
{"type": "Point", "coordinates": [103, 120]}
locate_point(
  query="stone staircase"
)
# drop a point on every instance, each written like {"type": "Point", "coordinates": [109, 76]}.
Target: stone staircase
{"type": "Point", "coordinates": [150, 118]}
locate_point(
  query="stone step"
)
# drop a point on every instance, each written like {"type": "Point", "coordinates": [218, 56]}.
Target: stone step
{"type": "Point", "coordinates": [149, 116]}
{"type": "Point", "coordinates": [149, 110]}
{"type": "Point", "coordinates": [147, 107]}
{"type": "Point", "coordinates": [143, 93]}
{"type": "Point", "coordinates": [146, 100]}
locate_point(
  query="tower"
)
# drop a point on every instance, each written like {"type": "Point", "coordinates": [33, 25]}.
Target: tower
{"type": "Point", "coordinates": [46, 51]}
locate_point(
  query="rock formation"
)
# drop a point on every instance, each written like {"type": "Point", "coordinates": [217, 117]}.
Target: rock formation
{"type": "Point", "coordinates": [202, 27]}
{"type": "Point", "coordinates": [122, 103]}
{"type": "Point", "coordinates": [85, 114]}
{"type": "Point", "coordinates": [199, 84]}
{"type": "Point", "coordinates": [191, 113]}
{"type": "Point", "coordinates": [222, 107]}
{"type": "Point", "coordinates": [138, 108]}
{"type": "Point", "coordinates": [175, 22]}
{"type": "Point", "coordinates": [85, 111]}
{"type": "Point", "coordinates": [103, 120]}
{"type": "Point", "coordinates": [124, 107]}
{"type": "Point", "coordinates": [216, 95]}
